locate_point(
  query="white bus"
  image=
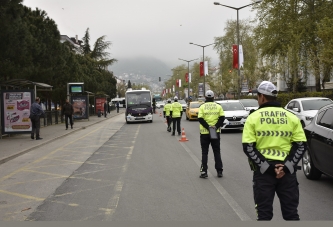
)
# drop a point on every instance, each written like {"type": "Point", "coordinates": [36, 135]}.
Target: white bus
{"type": "Point", "coordinates": [121, 101]}
{"type": "Point", "coordinates": [138, 106]}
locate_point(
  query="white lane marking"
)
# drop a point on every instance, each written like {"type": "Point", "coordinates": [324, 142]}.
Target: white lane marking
{"type": "Point", "coordinates": [232, 203]}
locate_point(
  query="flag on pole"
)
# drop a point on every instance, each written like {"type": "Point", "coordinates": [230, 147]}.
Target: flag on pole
{"type": "Point", "coordinates": [180, 83]}
{"type": "Point", "coordinates": [206, 68]}
{"type": "Point", "coordinates": [241, 57]}
{"type": "Point", "coordinates": [186, 77]}
{"type": "Point", "coordinates": [235, 56]}
{"type": "Point", "coordinates": [173, 88]}
{"type": "Point", "coordinates": [177, 83]}
{"type": "Point", "coordinates": [202, 69]}
{"type": "Point", "coordinates": [189, 77]}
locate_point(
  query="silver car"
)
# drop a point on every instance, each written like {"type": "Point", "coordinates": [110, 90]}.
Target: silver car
{"type": "Point", "coordinates": [235, 114]}
{"type": "Point", "coordinates": [306, 108]}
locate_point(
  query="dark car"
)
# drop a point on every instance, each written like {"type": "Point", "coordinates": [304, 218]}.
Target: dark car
{"type": "Point", "coordinates": [319, 133]}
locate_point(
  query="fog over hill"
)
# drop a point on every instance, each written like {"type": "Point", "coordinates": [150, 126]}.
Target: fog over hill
{"type": "Point", "coordinates": [145, 66]}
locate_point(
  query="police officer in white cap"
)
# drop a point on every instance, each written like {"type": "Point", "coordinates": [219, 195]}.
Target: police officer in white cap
{"type": "Point", "coordinates": [176, 113]}
{"type": "Point", "coordinates": [274, 142]}
{"type": "Point", "coordinates": [166, 114]}
{"type": "Point", "coordinates": [210, 116]}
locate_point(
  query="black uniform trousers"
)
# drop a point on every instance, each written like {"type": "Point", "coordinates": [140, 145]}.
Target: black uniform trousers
{"type": "Point", "coordinates": [168, 118]}
{"type": "Point", "coordinates": [70, 120]}
{"type": "Point", "coordinates": [264, 188]}
{"type": "Point", "coordinates": [35, 125]}
{"type": "Point", "coordinates": [205, 140]}
{"type": "Point", "coordinates": [176, 122]}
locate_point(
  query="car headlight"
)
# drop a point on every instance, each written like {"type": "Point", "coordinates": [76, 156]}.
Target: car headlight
{"type": "Point", "coordinates": [308, 118]}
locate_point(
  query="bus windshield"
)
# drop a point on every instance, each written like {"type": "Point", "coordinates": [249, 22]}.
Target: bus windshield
{"type": "Point", "coordinates": [138, 98]}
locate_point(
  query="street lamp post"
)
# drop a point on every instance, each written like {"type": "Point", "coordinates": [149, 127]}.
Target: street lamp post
{"type": "Point", "coordinates": [188, 73]}
{"type": "Point", "coordinates": [237, 9]}
{"type": "Point", "coordinates": [203, 59]}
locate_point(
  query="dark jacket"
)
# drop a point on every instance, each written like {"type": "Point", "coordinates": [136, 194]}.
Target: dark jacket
{"type": "Point", "coordinates": [67, 109]}
{"type": "Point", "coordinates": [36, 110]}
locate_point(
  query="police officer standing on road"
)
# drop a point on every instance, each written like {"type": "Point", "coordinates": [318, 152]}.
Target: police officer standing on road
{"type": "Point", "coordinates": [166, 113]}
{"type": "Point", "coordinates": [274, 141]}
{"type": "Point", "coordinates": [176, 113]}
{"type": "Point", "coordinates": [210, 115]}
{"type": "Point", "coordinates": [36, 112]}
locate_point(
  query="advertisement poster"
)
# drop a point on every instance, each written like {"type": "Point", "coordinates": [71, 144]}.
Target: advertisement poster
{"type": "Point", "coordinates": [100, 104]}
{"type": "Point", "coordinates": [15, 111]}
{"type": "Point", "coordinates": [80, 106]}
{"type": "Point", "coordinates": [245, 87]}
{"type": "Point", "coordinates": [201, 94]}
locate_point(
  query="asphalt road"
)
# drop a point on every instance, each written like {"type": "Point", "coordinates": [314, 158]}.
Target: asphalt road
{"type": "Point", "coordinates": [139, 172]}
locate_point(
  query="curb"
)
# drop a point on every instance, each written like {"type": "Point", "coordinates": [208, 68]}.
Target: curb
{"type": "Point", "coordinates": [22, 152]}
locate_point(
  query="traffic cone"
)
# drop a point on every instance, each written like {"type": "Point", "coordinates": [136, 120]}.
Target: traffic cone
{"type": "Point", "coordinates": [183, 139]}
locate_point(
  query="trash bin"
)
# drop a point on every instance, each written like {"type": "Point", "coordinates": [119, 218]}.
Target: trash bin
{"type": "Point", "coordinates": [99, 113]}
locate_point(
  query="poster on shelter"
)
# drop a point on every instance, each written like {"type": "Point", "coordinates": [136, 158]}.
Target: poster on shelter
{"type": "Point", "coordinates": [15, 111]}
{"type": "Point", "coordinates": [80, 107]}
{"type": "Point", "coordinates": [100, 104]}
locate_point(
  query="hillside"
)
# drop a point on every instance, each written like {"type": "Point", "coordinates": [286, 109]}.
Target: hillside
{"type": "Point", "coordinates": [148, 66]}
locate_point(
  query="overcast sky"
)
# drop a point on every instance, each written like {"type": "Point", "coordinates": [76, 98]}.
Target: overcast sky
{"type": "Point", "coordinates": [154, 28]}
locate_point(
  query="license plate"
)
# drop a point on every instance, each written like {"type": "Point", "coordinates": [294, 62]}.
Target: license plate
{"type": "Point", "coordinates": [234, 123]}
{"type": "Point", "coordinates": [139, 118]}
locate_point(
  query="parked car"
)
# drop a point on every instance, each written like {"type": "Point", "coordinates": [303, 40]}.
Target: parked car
{"type": "Point", "coordinates": [192, 110]}
{"type": "Point", "coordinates": [250, 104]}
{"type": "Point", "coordinates": [160, 104]}
{"type": "Point", "coordinates": [183, 103]}
{"type": "Point", "coordinates": [235, 114]}
{"type": "Point", "coordinates": [306, 108]}
{"type": "Point", "coordinates": [319, 133]}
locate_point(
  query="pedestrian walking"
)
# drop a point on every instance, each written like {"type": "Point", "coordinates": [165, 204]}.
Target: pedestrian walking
{"type": "Point", "coordinates": [166, 114]}
{"type": "Point", "coordinates": [211, 117]}
{"type": "Point", "coordinates": [106, 108]}
{"type": "Point", "coordinates": [176, 113]}
{"type": "Point", "coordinates": [68, 111]}
{"type": "Point", "coordinates": [154, 105]}
{"type": "Point", "coordinates": [36, 112]}
{"type": "Point", "coordinates": [117, 106]}
{"type": "Point", "coordinates": [274, 142]}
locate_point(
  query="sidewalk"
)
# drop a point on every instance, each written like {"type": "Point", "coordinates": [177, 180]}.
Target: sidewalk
{"type": "Point", "coordinates": [18, 144]}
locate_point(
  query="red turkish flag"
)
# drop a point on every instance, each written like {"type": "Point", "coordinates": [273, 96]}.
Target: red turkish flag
{"type": "Point", "coordinates": [202, 71]}
{"type": "Point", "coordinates": [186, 77]}
{"type": "Point", "coordinates": [177, 83]}
{"type": "Point", "coordinates": [235, 56]}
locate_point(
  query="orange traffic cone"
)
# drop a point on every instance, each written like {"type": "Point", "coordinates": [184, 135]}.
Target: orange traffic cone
{"type": "Point", "coordinates": [183, 139]}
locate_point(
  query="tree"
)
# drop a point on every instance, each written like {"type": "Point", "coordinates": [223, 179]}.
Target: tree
{"type": "Point", "coordinates": [223, 46]}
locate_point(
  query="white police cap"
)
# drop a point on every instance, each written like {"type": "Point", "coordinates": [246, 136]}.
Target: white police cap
{"type": "Point", "coordinates": [267, 88]}
{"type": "Point", "coordinates": [209, 94]}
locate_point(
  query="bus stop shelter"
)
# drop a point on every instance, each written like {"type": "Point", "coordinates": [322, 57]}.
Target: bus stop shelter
{"type": "Point", "coordinates": [20, 84]}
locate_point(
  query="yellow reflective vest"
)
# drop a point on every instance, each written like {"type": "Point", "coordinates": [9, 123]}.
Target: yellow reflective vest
{"type": "Point", "coordinates": [167, 109]}
{"type": "Point", "coordinates": [210, 112]}
{"type": "Point", "coordinates": [176, 108]}
{"type": "Point", "coordinates": [273, 129]}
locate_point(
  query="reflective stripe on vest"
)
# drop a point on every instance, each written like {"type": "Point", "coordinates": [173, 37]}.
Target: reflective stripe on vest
{"type": "Point", "coordinates": [274, 154]}
{"type": "Point", "coordinates": [274, 133]}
